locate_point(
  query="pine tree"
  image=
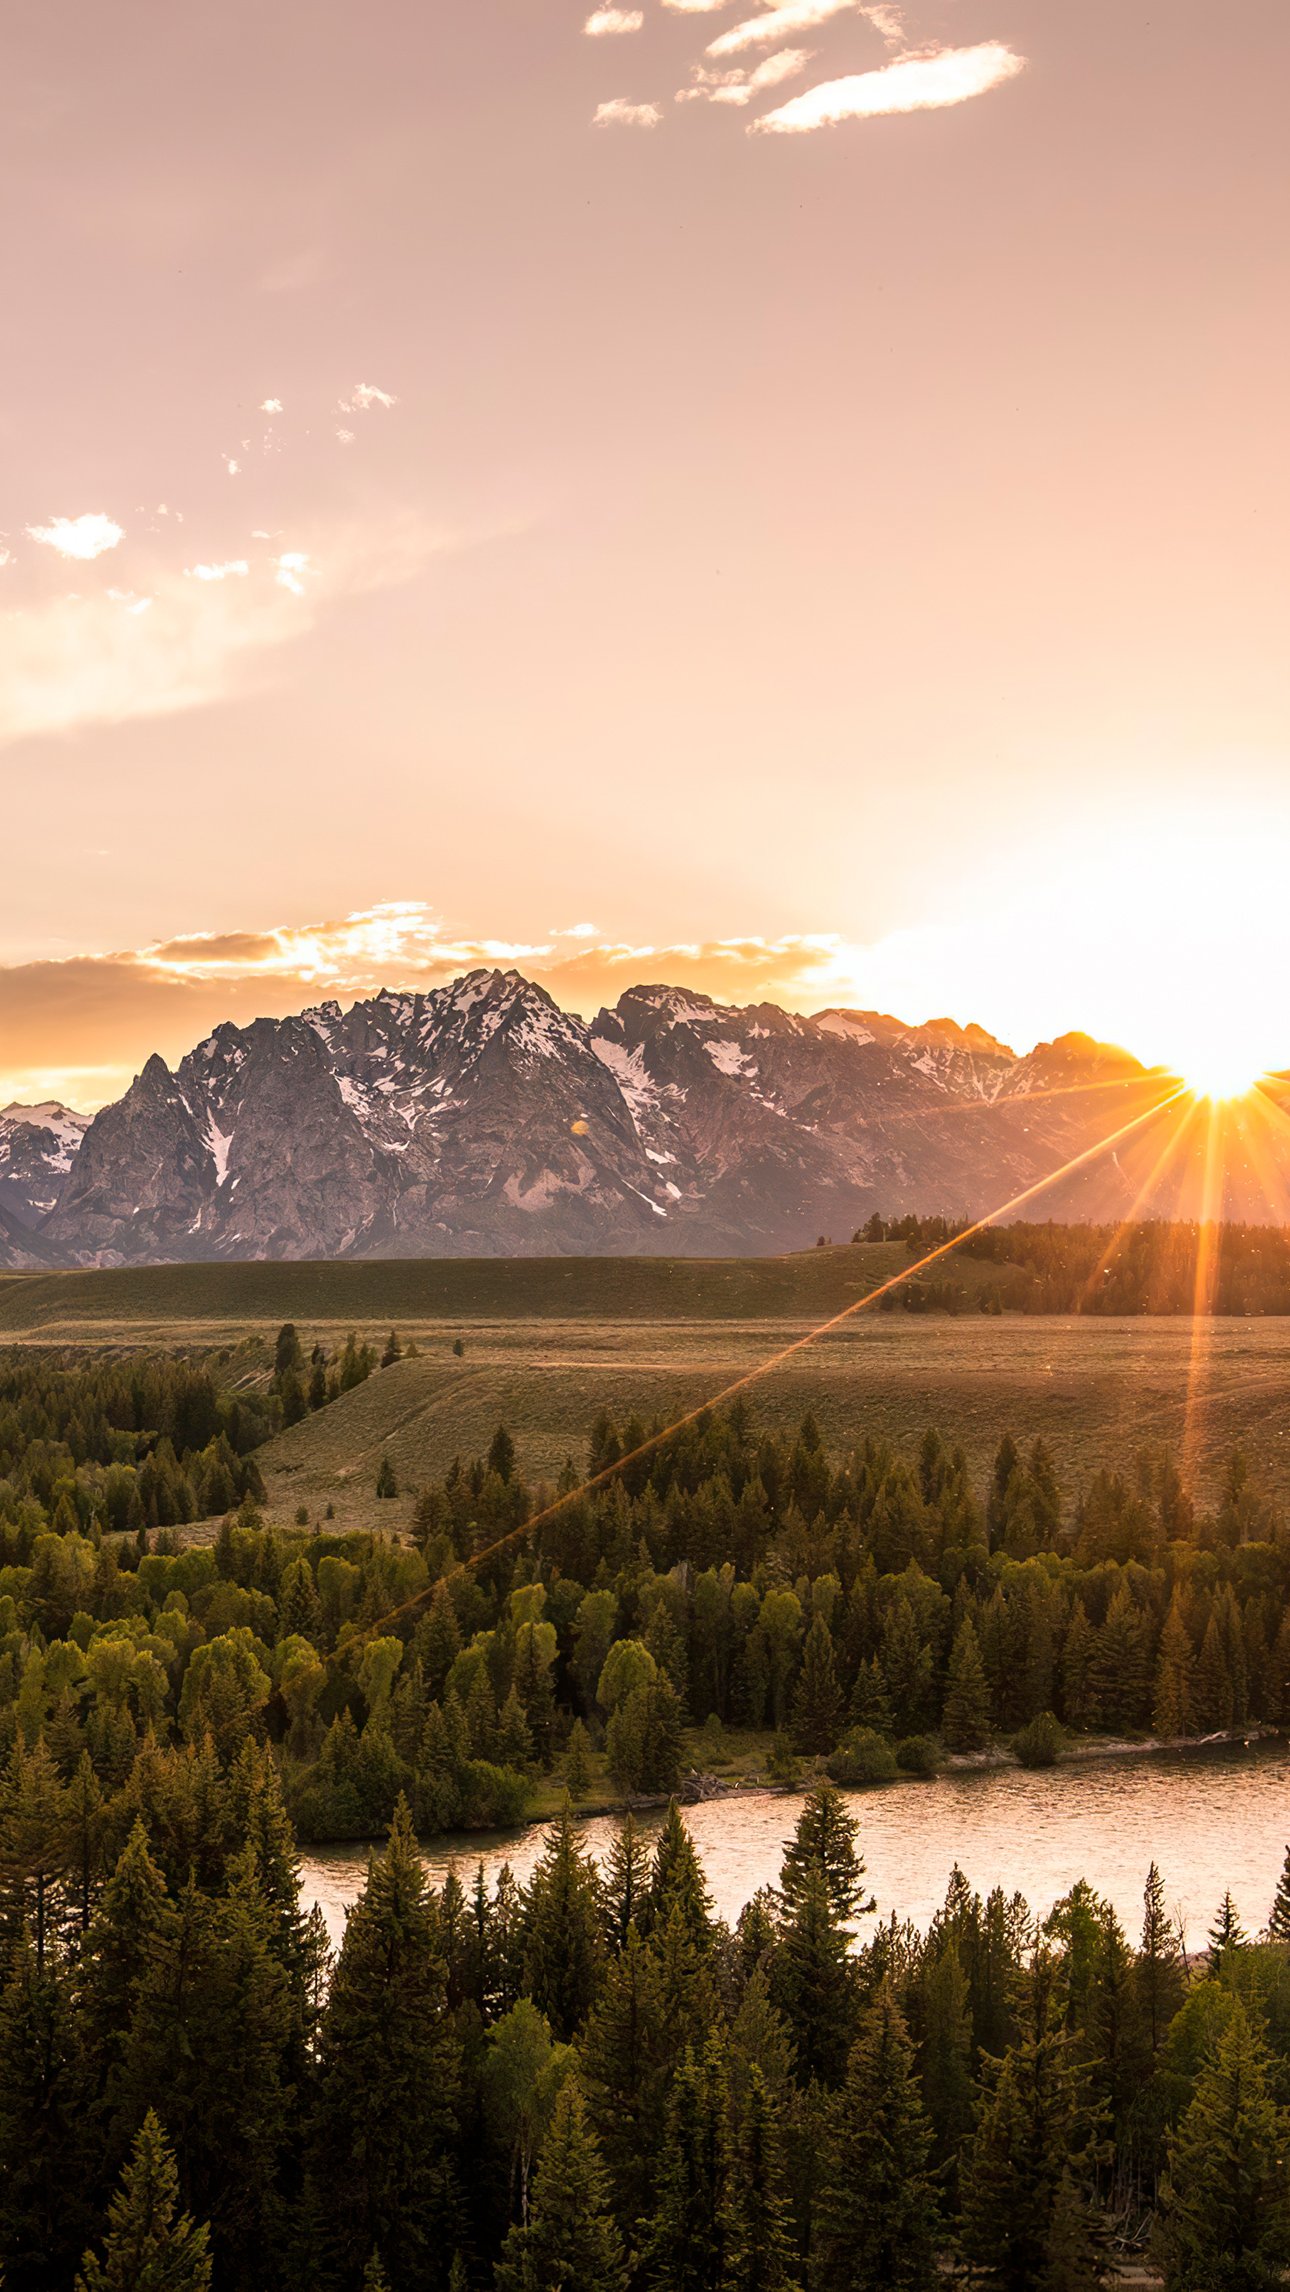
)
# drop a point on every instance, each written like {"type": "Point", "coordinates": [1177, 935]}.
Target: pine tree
{"type": "Point", "coordinates": [386, 1479]}
{"type": "Point", "coordinates": [385, 2120]}
{"type": "Point", "coordinates": [1173, 1710]}
{"type": "Point", "coordinates": [876, 2215]}
{"type": "Point", "coordinates": [563, 1944]}
{"type": "Point", "coordinates": [150, 2246]}
{"type": "Point", "coordinates": [571, 2240]}
{"type": "Point", "coordinates": [1226, 1933]}
{"type": "Point", "coordinates": [44, 2220]}
{"type": "Point", "coordinates": [1072, 2260]}
{"type": "Point", "coordinates": [1032, 2128]}
{"type": "Point", "coordinates": [676, 1882]}
{"type": "Point", "coordinates": [1279, 1920]}
{"type": "Point", "coordinates": [1224, 2221]}
{"type": "Point", "coordinates": [945, 2055]}
{"type": "Point", "coordinates": [966, 1720]}
{"type": "Point", "coordinates": [625, 2052]}
{"type": "Point", "coordinates": [686, 2252]}
{"type": "Point", "coordinates": [123, 1933]}
{"type": "Point", "coordinates": [577, 1761]}
{"type": "Point", "coordinates": [756, 2221]}
{"type": "Point", "coordinates": [1159, 1971]}
{"type": "Point", "coordinates": [824, 1840]}
{"type": "Point", "coordinates": [813, 1982]}
{"type": "Point", "coordinates": [818, 1701]}
{"type": "Point", "coordinates": [626, 1879]}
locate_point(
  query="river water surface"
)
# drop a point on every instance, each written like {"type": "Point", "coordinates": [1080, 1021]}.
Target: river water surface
{"type": "Point", "coordinates": [1211, 1819]}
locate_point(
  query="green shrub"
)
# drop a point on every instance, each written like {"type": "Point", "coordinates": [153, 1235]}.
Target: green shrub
{"type": "Point", "coordinates": [919, 1755]}
{"type": "Point", "coordinates": [1041, 1743]}
{"type": "Point", "coordinates": [863, 1756]}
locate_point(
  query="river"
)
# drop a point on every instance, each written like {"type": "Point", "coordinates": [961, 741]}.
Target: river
{"type": "Point", "coordinates": [1210, 1818]}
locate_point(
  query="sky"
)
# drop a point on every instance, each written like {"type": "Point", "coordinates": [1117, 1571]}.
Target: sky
{"type": "Point", "coordinates": [790, 499]}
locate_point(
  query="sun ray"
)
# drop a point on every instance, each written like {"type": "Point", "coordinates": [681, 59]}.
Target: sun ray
{"type": "Point", "coordinates": [1153, 1178]}
{"type": "Point", "coordinates": [1208, 1255]}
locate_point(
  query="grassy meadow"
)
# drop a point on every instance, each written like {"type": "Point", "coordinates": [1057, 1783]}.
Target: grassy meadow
{"type": "Point", "coordinates": [547, 1344]}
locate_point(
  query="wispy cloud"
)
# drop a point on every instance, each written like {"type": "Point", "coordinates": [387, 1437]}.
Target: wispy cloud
{"type": "Point", "coordinates": [84, 659]}
{"type": "Point", "coordinates": [783, 23]}
{"type": "Point", "coordinates": [271, 405]}
{"type": "Point", "coordinates": [232, 569]}
{"type": "Point", "coordinates": [605, 23]}
{"type": "Point", "coordinates": [619, 112]}
{"type": "Point", "coordinates": [83, 537]}
{"type": "Point", "coordinates": [913, 83]}
{"type": "Point", "coordinates": [739, 87]}
{"type": "Point", "coordinates": [695, 7]}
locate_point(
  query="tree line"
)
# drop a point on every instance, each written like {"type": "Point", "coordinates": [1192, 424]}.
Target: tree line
{"type": "Point", "coordinates": [1148, 1266]}
{"type": "Point", "coordinates": [868, 1611]}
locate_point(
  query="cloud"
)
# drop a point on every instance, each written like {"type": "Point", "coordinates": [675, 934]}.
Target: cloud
{"type": "Point", "coordinates": [605, 22]}
{"type": "Point", "coordinates": [364, 396]}
{"type": "Point", "coordinates": [290, 569]}
{"type": "Point", "coordinates": [739, 87]}
{"type": "Point", "coordinates": [82, 537]}
{"type": "Point", "coordinates": [913, 83]}
{"type": "Point", "coordinates": [232, 465]}
{"type": "Point", "coordinates": [783, 23]}
{"type": "Point", "coordinates": [233, 567]}
{"type": "Point", "coordinates": [695, 7]}
{"type": "Point", "coordinates": [84, 659]}
{"type": "Point", "coordinates": [271, 405]}
{"type": "Point", "coordinates": [79, 1028]}
{"type": "Point", "coordinates": [618, 112]}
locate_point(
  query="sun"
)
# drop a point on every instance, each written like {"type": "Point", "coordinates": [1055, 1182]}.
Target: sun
{"type": "Point", "coordinates": [1222, 1072]}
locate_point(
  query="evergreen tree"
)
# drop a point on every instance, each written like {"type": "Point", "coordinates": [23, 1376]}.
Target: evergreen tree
{"type": "Point", "coordinates": [625, 1882]}
{"type": "Point", "coordinates": [43, 2218]}
{"type": "Point", "coordinates": [676, 1882]}
{"type": "Point", "coordinates": [876, 2213]}
{"type": "Point", "coordinates": [755, 2227]}
{"type": "Point", "coordinates": [1072, 2258]}
{"type": "Point", "coordinates": [150, 2246]}
{"type": "Point", "coordinates": [1225, 2223]}
{"type": "Point", "coordinates": [1279, 1920]}
{"type": "Point", "coordinates": [1159, 1971]}
{"type": "Point", "coordinates": [824, 1841]}
{"type": "Point", "coordinates": [1032, 2128]}
{"type": "Point", "coordinates": [385, 2120]}
{"type": "Point", "coordinates": [813, 1982]}
{"type": "Point", "coordinates": [571, 2241]}
{"type": "Point", "coordinates": [563, 1944]}
{"type": "Point", "coordinates": [625, 2052]}
{"type": "Point", "coordinates": [1173, 1711]}
{"type": "Point", "coordinates": [687, 2246]}
{"type": "Point", "coordinates": [577, 1756]}
{"type": "Point", "coordinates": [945, 2055]}
{"type": "Point", "coordinates": [966, 1720]}
{"type": "Point", "coordinates": [1226, 1933]}
{"type": "Point", "coordinates": [818, 1701]}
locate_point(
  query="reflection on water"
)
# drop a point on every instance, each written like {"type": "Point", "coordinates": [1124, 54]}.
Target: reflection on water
{"type": "Point", "coordinates": [1211, 1819]}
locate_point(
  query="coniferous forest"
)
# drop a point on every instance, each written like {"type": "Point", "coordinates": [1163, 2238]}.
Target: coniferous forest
{"type": "Point", "coordinates": [589, 2080]}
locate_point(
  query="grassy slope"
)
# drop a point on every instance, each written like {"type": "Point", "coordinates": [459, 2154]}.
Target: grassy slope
{"type": "Point", "coordinates": [187, 1300]}
{"type": "Point", "coordinates": [1096, 1390]}
{"type": "Point", "coordinates": [549, 1342]}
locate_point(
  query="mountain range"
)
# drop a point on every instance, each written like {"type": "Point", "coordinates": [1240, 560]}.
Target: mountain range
{"type": "Point", "coordinates": [481, 1119]}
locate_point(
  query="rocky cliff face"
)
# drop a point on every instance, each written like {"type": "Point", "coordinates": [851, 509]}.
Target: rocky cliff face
{"type": "Point", "coordinates": [482, 1119]}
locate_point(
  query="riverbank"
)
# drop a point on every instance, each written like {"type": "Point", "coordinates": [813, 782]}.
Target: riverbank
{"type": "Point", "coordinates": [1210, 1816]}
{"type": "Point", "coordinates": [741, 1774]}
